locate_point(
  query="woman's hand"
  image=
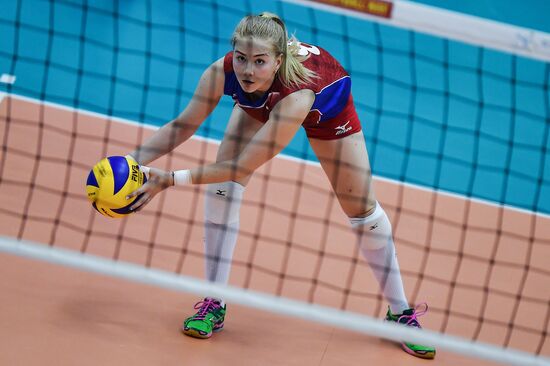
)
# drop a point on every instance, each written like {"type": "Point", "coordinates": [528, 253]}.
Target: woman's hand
{"type": "Point", "coordinates": [157, 181]}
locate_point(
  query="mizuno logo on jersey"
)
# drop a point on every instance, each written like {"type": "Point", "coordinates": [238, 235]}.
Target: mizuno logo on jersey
{"type": "Point", "coordinates": [342, 129]}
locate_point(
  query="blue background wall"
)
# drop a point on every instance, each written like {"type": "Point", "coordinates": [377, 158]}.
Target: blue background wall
{"type": "Point", "coordinates": [437, 113]}
{"type": "Point", "coordinates": [527, 13]}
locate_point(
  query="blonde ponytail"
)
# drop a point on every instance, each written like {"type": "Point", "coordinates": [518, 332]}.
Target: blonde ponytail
{"type": "Point", "coordinates": [269, 26]}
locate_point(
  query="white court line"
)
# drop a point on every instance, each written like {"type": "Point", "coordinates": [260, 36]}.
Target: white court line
{"type": "Point", "coordinates": [347, 320]}
{"type": "Point", "coordinates": [283, 156]}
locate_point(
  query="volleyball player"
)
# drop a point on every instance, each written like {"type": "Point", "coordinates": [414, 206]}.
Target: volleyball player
{"type": "Point", "coordinates": [278, 85]}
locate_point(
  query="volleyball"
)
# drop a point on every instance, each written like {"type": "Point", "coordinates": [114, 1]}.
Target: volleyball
{"type": "Point", "coordinates": [110, 181]}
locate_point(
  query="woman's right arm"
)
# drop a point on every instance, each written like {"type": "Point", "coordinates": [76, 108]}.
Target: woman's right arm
{"type": "Point", "coordinates": [206, 97]}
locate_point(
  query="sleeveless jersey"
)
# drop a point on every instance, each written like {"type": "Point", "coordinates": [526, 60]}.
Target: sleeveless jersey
{"type": "Point", "coordinates": [332, 114]}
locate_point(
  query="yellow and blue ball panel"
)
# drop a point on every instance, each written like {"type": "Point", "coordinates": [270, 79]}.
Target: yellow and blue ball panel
{"type": "Point", "coordinates": [110, 181]}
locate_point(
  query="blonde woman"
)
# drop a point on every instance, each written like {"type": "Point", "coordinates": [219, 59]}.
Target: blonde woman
{"type": "Point", "coordinates": [278, 85]}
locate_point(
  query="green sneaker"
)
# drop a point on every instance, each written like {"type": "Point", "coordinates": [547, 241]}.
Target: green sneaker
{"type": "Point", "coordinates": [409, 318]}
{"type": "Point", "coordinates": [208, 319]}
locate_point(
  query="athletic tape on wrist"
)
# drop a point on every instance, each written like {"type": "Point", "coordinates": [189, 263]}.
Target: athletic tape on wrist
{"type": "Point", "coordinates": [182, 177]}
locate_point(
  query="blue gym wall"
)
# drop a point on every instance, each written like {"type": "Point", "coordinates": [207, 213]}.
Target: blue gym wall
{"type": "Point", "coordinates": [436, 113]}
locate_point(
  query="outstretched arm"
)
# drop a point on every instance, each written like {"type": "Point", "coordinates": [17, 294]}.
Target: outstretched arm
{"type": "Point", "coordinates": [285, 120]}
{"type": "Point", "coordinates": [206, 97]}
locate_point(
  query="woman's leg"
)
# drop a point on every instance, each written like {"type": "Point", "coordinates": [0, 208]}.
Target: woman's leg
{"type": "Point", "coordinates": [346, 164]}
{"type": "Point", "coordinates": [222, 204]}
{"type": "Point", "coordinates": [223, 200]}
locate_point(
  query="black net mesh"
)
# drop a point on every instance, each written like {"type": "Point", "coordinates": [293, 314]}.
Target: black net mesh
{"type": "Point", "coordinates": [458, 138]}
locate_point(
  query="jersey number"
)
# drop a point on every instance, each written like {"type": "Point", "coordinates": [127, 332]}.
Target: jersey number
{"type": "Point", "coordinates": [306, 49]}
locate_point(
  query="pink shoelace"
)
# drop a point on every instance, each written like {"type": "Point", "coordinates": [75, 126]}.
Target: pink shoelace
{"type": "Point", "coordinates": [412, 319]}
{"type": "Point", "coordinates": [205, 306]}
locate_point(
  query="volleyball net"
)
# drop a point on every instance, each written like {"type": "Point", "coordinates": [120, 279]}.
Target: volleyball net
{"type": "Point", "coordinates": [457, 132]}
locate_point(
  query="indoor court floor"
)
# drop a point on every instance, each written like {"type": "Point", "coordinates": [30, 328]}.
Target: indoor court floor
{"type": "Point", "coordinates": [52, 315]}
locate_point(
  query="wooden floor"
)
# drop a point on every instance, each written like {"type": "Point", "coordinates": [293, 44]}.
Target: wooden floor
{"type": "Point", "coordinates": [52, 315]}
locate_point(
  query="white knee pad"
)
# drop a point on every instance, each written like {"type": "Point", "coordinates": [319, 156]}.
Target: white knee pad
{"type": "Point", "coordinates": [223, 202]}
{"type": "Point", "coordinates": [374, 230]}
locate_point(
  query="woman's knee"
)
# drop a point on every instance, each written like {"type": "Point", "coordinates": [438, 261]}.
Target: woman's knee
{"type": "Point", "coordinates": [223, 202]}
{"type": "Point", "coordinates": [359, 207]}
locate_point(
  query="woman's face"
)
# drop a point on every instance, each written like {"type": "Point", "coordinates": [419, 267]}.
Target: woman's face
{"type": "Point", "coordinates": [255, 64]}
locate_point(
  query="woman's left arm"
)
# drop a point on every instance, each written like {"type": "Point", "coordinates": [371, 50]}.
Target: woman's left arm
{"type": "Point", "coordinates": [284, 121]}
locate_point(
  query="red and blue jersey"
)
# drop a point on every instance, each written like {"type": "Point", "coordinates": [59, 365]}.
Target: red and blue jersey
{"type": "Point", "coordinates": [332, 114]}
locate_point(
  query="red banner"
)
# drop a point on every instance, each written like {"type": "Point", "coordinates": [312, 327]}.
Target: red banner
{"type": "Point", "coordinates": [380, 8]}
